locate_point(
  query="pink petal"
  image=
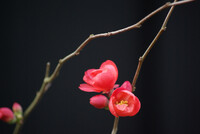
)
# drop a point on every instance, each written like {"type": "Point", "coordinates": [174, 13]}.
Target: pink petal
{"type": "Point", "coordinates": [109, 63]}
{"type": "Point", "coordinates": [111, 66]}
{"type": "Point", "coordinates": [116, 86]}
{"type": "Point", "coordinates": [88, 88]}
{"type": "Point", "coordinates": [7, 114]}
{"type": "Point", "coordinates": [104, 81]}
{"type": "Point", "coordinates": [87, 77]}
{"type": "Point", "coordinates": [127, 85]}
{"type": "Point", "coordinates": [137, 106]}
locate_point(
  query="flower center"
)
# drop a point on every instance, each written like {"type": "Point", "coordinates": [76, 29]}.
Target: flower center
{"type": "Point", "coordinates": [122, 102]}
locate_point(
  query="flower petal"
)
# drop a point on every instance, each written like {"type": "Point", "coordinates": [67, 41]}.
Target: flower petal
{"type": "Point", "coordinates": [7, 114]}
{"type": "Point", "coordinates": [87, 77]}
{"type": "Point", "coordinates": [127, 85]}
{"type": "Point", "coordinates": [88, 88]}
{"type": "Point", "coordinates": [110, 65]}
{"type": "Point", "coordinates": [1, 115]}
{"type": "Point", "coordinates": [111, 108]}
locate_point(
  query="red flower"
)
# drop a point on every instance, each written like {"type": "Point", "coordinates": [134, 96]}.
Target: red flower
{"type": "Point", "coordinates": [99, 101]}
{"type": "Point", "coordinates": [6, 115]}
{"type": "Point", "coordinates": [123, 103]}
{"type": "Point", "coordinates": [102, 79]}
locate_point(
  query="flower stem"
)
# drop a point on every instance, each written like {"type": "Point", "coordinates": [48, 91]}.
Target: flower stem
{"type": "Point", "coordinates": [115, 125]}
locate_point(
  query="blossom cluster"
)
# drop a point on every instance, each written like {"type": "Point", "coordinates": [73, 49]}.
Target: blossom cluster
{"type": "Point", "coordinates": [11, 116]}
{"type": "Point", "coordinates": [118, 99]}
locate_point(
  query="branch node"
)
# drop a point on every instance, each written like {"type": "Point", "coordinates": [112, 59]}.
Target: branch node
{"type": "Point", "coordinates": [140, 59]}
{"type": "Point", "coordinates": [91, 36]}
{"type": "Point", "coordinates": [168, 4]}
{"type": "Point", "coordinates": [47, 69]}
{"type": "Point", "coordinates": [109, 33]}
{"type": "Point", "coordinates": [138, 25]}
{"type": "Point", "coordinates": [134, 89]}
{"type": "Point", "coordinates": [47, 87]}
{"type": "Point", "coordinates": [77, 53]}
{"type": "Point", "coordinates": [164, 28]}
{"type": "Point", "coordinates": [46, 80]}
{"type": "Point", "coordinates": [60, 61]}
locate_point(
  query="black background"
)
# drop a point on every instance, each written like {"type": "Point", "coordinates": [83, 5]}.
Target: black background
{"type": "Point", "coordinates": [35, 32]}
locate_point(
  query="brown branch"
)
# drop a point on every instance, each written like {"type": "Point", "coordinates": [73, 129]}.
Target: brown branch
{"type": "Point", "coordinates": [162, 29]}
{"type": "Point", "coordinates": [115, 125]}
{"type": "Point", "coordinates": [49, 79]}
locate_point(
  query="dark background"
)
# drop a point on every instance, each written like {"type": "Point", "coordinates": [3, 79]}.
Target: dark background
{"type": "Point", "coordinates": [34, 32]}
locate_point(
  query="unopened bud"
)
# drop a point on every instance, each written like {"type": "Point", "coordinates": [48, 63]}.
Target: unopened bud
{"type": "Point", "coordinates": [17, 108]}
{"type": "Point", "coordinates": [99, 101]}
{"type": "Point", "coordinates": [18, 111]}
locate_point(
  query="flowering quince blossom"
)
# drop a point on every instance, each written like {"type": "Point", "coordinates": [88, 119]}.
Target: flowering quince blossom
{"type": "Point", "coordinates": [123, 102]}
{"type": "Point", "coordinates": [99, 101]}
{"type": "Point", "coordinates": [17, 108]}
{"type": "Point", "coordinates": [6, 115]}
{"type": "Point", "coordinates": [18, 111]}
{"type": "Point", "coordinates": [102, 79]}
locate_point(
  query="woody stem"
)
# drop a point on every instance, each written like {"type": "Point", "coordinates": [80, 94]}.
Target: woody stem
{"type": "Point", "coordinates": [115, 125]}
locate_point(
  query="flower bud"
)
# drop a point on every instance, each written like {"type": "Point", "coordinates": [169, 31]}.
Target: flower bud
{"type": "Point", "coordinates": [6, 115]}
{"type": "Point", "coordinates": [99, 101]}
{"type": "Point", "coordinates": [17, 108]}
{"type": "Point", "coordinates": [18, 111]}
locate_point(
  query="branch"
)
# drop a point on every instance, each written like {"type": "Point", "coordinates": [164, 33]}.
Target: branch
{"type": "Point", "coordinates": [162, 29]}
{"type": "Point", "coordinates": [49, 79]}
{"type": "Point", "coordinates": [115, 125]}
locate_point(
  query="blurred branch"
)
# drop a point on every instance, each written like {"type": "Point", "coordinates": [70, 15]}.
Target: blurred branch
{"type": "Point", "coordinates": [49, 79]}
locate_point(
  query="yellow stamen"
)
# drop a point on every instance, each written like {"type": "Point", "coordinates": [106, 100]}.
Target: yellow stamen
{"type": "Point", "coordinates": [122, 102]}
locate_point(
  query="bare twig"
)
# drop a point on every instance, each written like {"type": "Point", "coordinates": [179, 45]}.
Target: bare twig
{"type": "Point", "coordinates": [49, 79]}
{"type": "Point", "coordinates": [115, 125]}
{"type": "Point", "coordinates": [162, 29]}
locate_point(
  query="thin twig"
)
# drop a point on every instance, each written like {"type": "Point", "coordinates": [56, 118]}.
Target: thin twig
{"type": "Point", "coordinates": [162, 29]}
{"type": "Point", "coordinates": [49, 79]}
{"type": "Point", "coordinates": [115, 125]}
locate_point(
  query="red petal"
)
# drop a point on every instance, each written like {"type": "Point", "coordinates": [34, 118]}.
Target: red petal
{"type": "Point", "coordinates": [88, 88]}
{"type": "Point", "coordinates": [1, 115]}
{"type": "Point", "coordinates": [7, 114]}
{"type": "Point", "coordinates": [137, 106]}
{"type": "Point", "coordinates": [131, 109]}
{"type": "Point", "coordinates": [109, 63]}
{"type": "Point", "coordinates": [111, 66]}
{"type": "Point", "coordinates": [87, 77]}
{"type": "Point", "coordinates": [127, 85]}
{"type": "Point", "coordinates": [104, 80]}
{"type": "Point", "coordinates": [111, 108]}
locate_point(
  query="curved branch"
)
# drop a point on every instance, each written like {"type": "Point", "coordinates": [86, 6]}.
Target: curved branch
{"type": "Point", "coordinates": [49, 79]}
{"type": "Point", "coordinates": [162, 29]}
